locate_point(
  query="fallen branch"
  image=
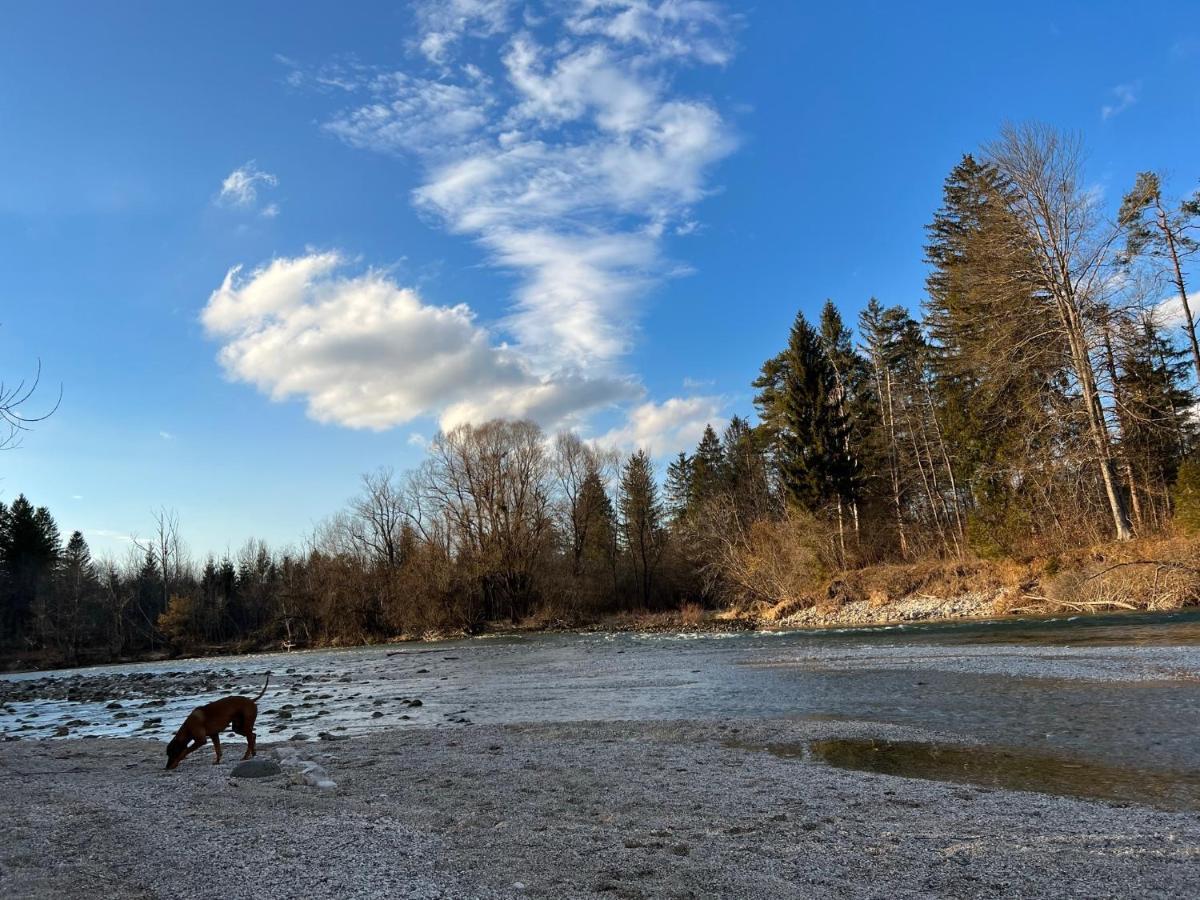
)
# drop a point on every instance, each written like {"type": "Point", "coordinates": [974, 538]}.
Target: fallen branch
{"type": "Point", "coordinates": [1076, 605]}
{"type": "Point", "coordinates": [1161, 564]}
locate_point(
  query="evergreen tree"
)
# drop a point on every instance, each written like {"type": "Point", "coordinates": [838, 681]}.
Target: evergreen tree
{"type": "Point", "coordinates": [599, 554]}
{"type": "Point", "coordinates": [679, 486]}
{"type": "Point", "coordinates": [707, 468]}
{"type": "Point", "coordinates": [77, 593]}
{"type": "Point", "coordinates": [857, 405]}
{"type": "Point", "coordinates": [641, 522]}
{"type": "Point", "coordinates": [747, 482]}
{"type": "Point", "coordinates": [29, 549]}
{"type": "Point", "coordinates": [1152, 229]}
{"type": "Point", "coordinates": [1154, 412]}
{"type": "Point", "coordinates": [148, 601]}
{"type": "Point", "coordinates": [797, 400]}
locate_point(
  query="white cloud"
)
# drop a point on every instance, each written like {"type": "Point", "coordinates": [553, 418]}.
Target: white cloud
{"type": "Point", "coordinates": [676, 28]}
{"type": "Point", "coordinates": [270, 211]}
{"type": "Point", "coordinates": [663, 429]}
{"type": "Point", "coordinates": [366, 353]}
{"type": "Point", "coordinates": [443, 23]}
{"type": "Point", "coordinates": [414, 115]}
{"type": "Point", "coordinates": [110, 534]}
{"type": "Point", "coordinates": [567, 151]}
{"type": "Point", "coordinates": [1124, 96]}
{"type": "Point", "coordinates": [240, 187]}
{"type": "Point", "coordinates": [570, 166]}
{"type": "Point", "coordinates": [1168, 313]}
{"type": "Point", "coordinates": [166, 435]}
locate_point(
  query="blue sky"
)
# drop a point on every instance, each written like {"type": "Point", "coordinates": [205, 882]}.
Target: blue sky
{"type": "Point", "coordinates": [601, 215]}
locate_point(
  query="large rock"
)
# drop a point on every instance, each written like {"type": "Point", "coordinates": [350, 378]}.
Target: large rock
{"type": "Point", "coordinates": [256, 768]}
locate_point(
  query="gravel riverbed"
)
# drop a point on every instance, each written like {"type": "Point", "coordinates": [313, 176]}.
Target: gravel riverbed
{"type": "Point", "coordinates": [614, 809]}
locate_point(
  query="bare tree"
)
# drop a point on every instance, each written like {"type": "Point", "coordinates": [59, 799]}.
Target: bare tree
{"type": "Point", "coordinates": [1070, 246]}
{"type": "Point", "coordinates": [490, 484]}
{"type": "Point", "coordinates": [575, 462]}
{"type": "Point", "coordinates": [14, 421]}
{"type": "Point", "coordinates": [378, 518]}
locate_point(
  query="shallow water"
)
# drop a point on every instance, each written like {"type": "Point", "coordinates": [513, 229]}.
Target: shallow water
{"type": "Point", "coordinates": [996, 767]}
{"type": "Point", "coordinates": [1115, 690]}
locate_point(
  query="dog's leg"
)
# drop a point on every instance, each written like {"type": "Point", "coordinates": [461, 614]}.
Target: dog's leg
{"type": "Point", "coordinates": [216, 739]}
{"type": "Point", "coordinates": [244, 725]}
{"type": "Point", "coordinates": [248, 723]}
{"type": "Point", "coordinates": [197, 743]}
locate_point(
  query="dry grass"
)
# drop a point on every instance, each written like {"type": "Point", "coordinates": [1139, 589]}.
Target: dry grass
{"type": "Point", "coordinates": [1148, 574]}
{"type": "Point", "coordinates": [1151, 574]}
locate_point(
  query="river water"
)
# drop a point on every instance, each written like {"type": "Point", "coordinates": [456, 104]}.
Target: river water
{"type": "Point", "coordinates": [1122, 690]}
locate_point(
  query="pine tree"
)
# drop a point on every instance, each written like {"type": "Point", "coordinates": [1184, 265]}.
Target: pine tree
{"type": "Point", "coordinates": [857, 405]}
{"type": "Point", "coordinates": [747, 482]}
{"type": "Point", "coordinates": [29, 550]}
{"type": "Point", "coordinates": [77, 591]}
{"type": "Point", "coordinates": [708, 468]}
{"type": "Point", "coordinates": [1153, 230]}
{"type": "Point", "coordinates": [641, 521]}
{"type": "Point", "coordinates": [797, 400]}
{"type": "Point", "coordinates": [599, 552]}
{"type": "Point", "coordinates": [1156, 428]}
{"type": "Point", "coordinates": [679, 486]}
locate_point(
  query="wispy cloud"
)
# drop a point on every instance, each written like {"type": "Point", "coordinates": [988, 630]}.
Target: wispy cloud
{"type": "Point", "coordinates": [557, 137]}
{"type": "Point", "coordinates": [241, 186]}
{"type": "Point", "coordinates": [166, 435]}
{"type": "Point", "coordinates": [110, 534]}
{"type": "Point", "coordinates": [1124, 96]}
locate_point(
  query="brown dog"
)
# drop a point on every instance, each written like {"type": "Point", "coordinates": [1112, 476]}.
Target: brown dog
{"type": "Point", "coordinates": [210, 720]}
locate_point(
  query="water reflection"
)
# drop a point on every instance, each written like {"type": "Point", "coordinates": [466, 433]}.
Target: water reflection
{"type": "Point", "coordinates": [997, 767]}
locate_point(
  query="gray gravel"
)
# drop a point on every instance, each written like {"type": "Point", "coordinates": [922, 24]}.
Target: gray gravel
{"type": "Point", "coordinates": [652, 809]}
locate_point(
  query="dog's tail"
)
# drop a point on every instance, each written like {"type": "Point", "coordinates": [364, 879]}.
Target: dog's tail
{"type": "Point", "coordinates": [264, 690]}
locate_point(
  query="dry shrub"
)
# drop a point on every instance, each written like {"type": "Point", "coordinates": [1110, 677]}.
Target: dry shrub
{"type": "Point", "coordinates": [1154, 574]}
{"type": "Point", "coordinates": [784, 609]}
{"type": "Point", "coordinates": [691, 613]}
{"type": "Point", "coordinates": [782, 560]}
{"type": "Point", "coordinates": [887, 583]}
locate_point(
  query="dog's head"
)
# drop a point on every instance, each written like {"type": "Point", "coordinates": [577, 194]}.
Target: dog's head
{"type": "Point", "coordinates": [175, 752]}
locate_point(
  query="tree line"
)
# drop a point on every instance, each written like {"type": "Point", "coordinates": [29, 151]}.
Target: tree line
{"type": "Point", "coordinates": [1037, 400]}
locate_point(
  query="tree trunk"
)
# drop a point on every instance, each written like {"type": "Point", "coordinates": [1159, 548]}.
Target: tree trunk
{"type": "Point", "coordinates": [1189, 323]}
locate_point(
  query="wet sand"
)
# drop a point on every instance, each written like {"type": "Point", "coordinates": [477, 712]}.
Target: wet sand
{"type": "Point", "coordinates": [649, 809]}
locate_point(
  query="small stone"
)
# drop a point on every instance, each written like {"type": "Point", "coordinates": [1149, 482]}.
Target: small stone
{"type": "Point", "coordinates": [256, 768]}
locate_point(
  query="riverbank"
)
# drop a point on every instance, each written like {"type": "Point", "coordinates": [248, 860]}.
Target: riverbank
{"type": "Point", "coordinates": [1147, 575]}
{"type": "Point", "coordinates": [652, 809]}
